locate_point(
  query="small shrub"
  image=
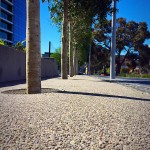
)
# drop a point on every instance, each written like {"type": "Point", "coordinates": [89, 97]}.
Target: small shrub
{"type": "Point", "coordinates": [124, 70]}
{"type": "Point", "coordinates": [145, 75]}
{"type": "Point", "coordinates": [2, 42]}
{"type": "Point", "coordinates": [20, 46]}
{"type": "Point", "coordinates": [108, 70]}
{"type": "Point", "coordinates": [133, 75]}
{"type": "Point", "coordinates": [98, 72]}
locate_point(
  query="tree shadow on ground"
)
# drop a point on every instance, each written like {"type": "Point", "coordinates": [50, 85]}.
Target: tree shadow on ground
{"type": "Point", "coordinates": [13, 83]}
{"type": "Point", "coordinates": [51, 90]}
{"type": "Point", "coordinates": [104, 95]}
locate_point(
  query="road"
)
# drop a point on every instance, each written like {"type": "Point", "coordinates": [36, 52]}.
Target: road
{"type": "Point", "coordinates": [142, 84]}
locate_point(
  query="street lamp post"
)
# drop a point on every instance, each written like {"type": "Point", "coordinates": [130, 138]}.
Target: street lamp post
{"type": "Point", "coordinates": [113, 42]}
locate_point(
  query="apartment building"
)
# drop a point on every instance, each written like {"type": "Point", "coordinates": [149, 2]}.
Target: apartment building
{"type": "Point", "coordinates": [12, 20]}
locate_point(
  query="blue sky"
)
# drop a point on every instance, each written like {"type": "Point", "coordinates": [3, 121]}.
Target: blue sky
{"type": "Point", "coordinates": [136, 10]}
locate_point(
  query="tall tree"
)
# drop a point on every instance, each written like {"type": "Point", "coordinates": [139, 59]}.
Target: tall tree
{"type": "Point", "coordinates": [64, 70]}
{"type": "Point", "coordinates": [71, 68]}
{"type": "Point", "coordinates": [57, 56]}
{"type": "Point", "coordinates": [100, 58]}
{"type": "Point", "coordinates": [33, 57]}
{"type": "Point", "coordinates": [129, 37]}
{"type": "Point", "coordinates": [144, 58]}
{"type": "Point", "coordinates": [132, 57]}
{"type": "Point", "coordinates": [75, 61]}
{"type": "Point", "coordinates": [82, 15]}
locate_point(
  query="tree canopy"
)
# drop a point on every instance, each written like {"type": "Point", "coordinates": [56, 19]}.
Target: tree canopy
{"type": "Point", "coordinates": [82, 14]}
{"type": "Point", "coordinates": [130, 37]}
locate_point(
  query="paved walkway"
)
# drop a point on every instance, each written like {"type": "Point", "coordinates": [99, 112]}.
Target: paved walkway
{"type": "Point", "coordinates": [141, 84]}
{"type": "Point", "coordinates": [86, 113]}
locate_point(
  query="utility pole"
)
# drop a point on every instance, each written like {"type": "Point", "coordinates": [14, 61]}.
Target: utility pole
{"type": "Point", "coordinates": [89, 69]}
{"type": "Point", "coordinates": [49, 48]}
{"type": "Point", "coordinates": [113, 41]}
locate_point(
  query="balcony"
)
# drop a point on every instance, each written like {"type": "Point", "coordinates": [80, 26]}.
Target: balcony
{"type": "Point", "coordinates": [4, 9]}
{"type": "Point", "coordinates": [3, 19]}
{"type": "Point", "coordinates": [6, 30]}
{"type": "Point", "coordinates": [9, 2]}
{"type": "Point", "coordinates": [7, 40]}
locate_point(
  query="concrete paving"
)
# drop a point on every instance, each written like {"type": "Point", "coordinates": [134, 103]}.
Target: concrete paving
{"type": "Point", "coordinates": [141, 84]}
{"type": "Point", "coordinates": [83, 113]}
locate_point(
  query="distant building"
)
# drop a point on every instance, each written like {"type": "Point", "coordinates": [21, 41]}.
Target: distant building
{"type": "Point", "coordinates": [46, 54]}
{"type": "Point", "coordinates": [12, 20]}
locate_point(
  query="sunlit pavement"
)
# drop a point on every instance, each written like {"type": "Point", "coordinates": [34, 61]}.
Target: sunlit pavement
{"type": "Point", "coordinates": [84, 113]}
{"type": "Point", "coordinates": [142, 84]}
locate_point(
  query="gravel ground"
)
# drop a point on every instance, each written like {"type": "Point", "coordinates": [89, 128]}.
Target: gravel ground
{"type": "Point", "coordinates": [84, 113]}
{"type": "Point", "coordinates": [138, 87]}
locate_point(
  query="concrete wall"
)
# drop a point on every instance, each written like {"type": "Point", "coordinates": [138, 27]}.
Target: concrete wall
{"type": "Point", "coordinates": [13, 65]}
{"type": "Point", "coordinates": [48, 68]}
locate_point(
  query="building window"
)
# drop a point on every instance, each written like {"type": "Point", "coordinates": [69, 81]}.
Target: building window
{"type": "Point", "coordinates": [6, 16]}
{"type": "Point", "coordinates": [10, 1]}
{"type": "Point", "coordinates": [3, 35]}
{"type": "Point", "coordinates": [9, 36]}
{"type": "Point", "coordinates": [6, 26]}
{"type": "Point", "coordinates": [6, 6]}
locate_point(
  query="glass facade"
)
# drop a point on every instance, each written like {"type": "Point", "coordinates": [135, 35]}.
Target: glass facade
{"type": "Point", "coordinates": [13, 20]}
{"type": "Point", "coordinates": [6, 21]}
{"type": "Point", "coordinates": [3, 34]}
{"type": "Point", "coordinates": [19, 20]}
{"type": "Point", "coordinates": [6, 6]}
{"type": "Point", "coordinates": [6, 35]}
{"type": "Point", "coordinates": [6, 26]}
{"type": "Point", "coordinates": [6, 16]}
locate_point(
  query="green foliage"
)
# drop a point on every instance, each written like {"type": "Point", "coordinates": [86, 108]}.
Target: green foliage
{"type": "Point", "coordinates": [20, 46]}
{"type": "Point", "coordinates": [145, 75]}
{"type": "Point", "coordinates": [132, 57]}
{"type": "Point", "coordinates": [99, 72]}
{"type": "Point", "coordinates": [102, 71]}
{"type": "Point", "coordinates": [144, 58]}
{"type": "Point", "coordinates": [82, 14]}
{"type": "Point", "coordinates": [17, 46]}
{"type": "Point", "coordinates": [99, 58]}
{"type": "Point", "coordinates": [57, 56]}
{"type": "Point", "coordinates": [124, 70]}
{"type": "Point", "coordinates": [133, 75]}
{"type": "Point", "coordinates": [2, 42]}
{"type": "Point", "coordinates": [130, 36]}
{"type": "Point", "coordinates": [108, 70]}
{"type": "Point", "coordinates": [95, 8]}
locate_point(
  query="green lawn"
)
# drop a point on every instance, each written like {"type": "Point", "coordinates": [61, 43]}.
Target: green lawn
{"type": "Point", "coordinates": [135, 75]}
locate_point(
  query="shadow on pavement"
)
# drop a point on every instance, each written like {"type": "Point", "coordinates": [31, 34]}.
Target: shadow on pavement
{"type": "Point", "coordinates": [13, 83]}
{"type": "Point", "coordinates": [104, 95]}
{"type": "Point", "coordinates": [50, 90]}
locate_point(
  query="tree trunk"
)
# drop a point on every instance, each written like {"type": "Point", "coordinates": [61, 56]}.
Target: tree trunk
{"type": "Point", "coordinates": [75, 61]}
{"type": "Point", "coordinates": [118, 68]}
{"type": "Point", "coordinates": [33, 57]}
{"type": "Point", "coordinates": [64, 42]}
{"type": "Point", "coordinates": [70, 51]}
